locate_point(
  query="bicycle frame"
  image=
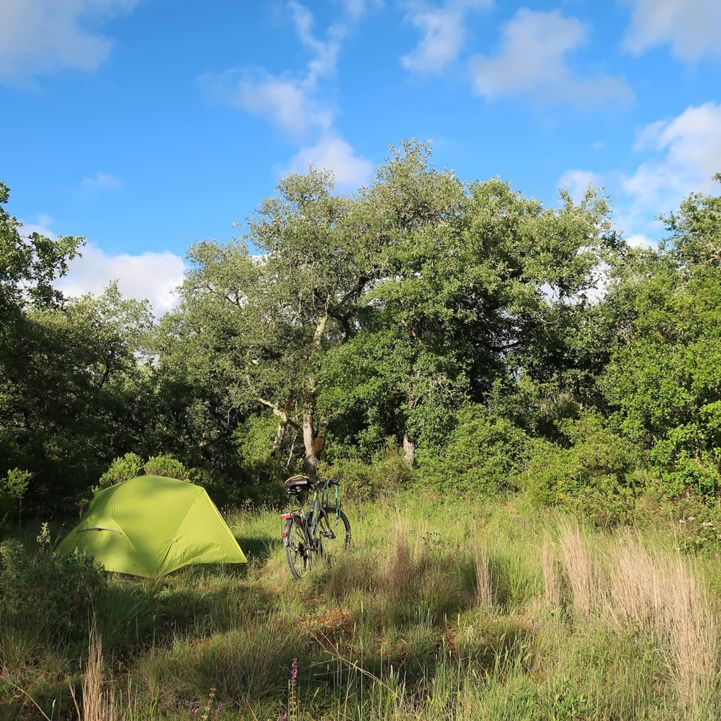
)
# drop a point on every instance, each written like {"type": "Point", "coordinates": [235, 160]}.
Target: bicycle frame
{"type": "Point", "coordinates": [310, 530]}
{"type": "Point", "coordinates": [309, 521]}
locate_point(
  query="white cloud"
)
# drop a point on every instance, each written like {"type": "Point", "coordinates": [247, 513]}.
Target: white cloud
{"type": "Point", "coordinates": [356, 9]}
{"type": "Point", "coordinates": [290, 101]}
{"type": "Point", "coordinates": [577, 182]}
{"type": "Point", "coordinates": [295, 103]}
{"type": "Point", "coordinates": [41, 225]}
{"type": "Point", "coordinates": [685, 153]}
{"type": "Point", "coordinates": [691, 27]}
{"type": "Point", "coordinates": [41, 36]}
{"type": "Point", "coordinates": [639, 240]}
{"type": "Point", "coordinates": [146, 276]}
{"type": "Point", "coordinates": [286, 102]}
{"type": "Point", "coordinates": [324, 53]}
{"type": "Point", "coordinates": [151, 276]}
{"type": "Point", "coordinates": [443, 33]}
{"type": "Point", "coordinates": [335, 154]}
{"type": "Point", "coordinates": [532, 59]}
{"type": "Point", "coordinates": [679, 156]}
{"type": "Point", "coordinates": [102, 181]}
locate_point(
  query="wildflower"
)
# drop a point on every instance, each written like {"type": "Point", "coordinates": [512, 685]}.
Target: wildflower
{"type": "Point", "coordinates": [209, 705]}
{"type": "Point", "coordinates": [292, 714]}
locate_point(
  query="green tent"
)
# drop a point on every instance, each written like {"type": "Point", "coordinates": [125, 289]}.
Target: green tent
{"type": "Point", "coordinates": [150, 526]}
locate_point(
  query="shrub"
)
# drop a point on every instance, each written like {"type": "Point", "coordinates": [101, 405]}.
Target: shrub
{"type": "Point", "coordinates": [695, 520]}
{"type": "Point", "coordinates": [13, 487]}
{"type": "Point", "coordinates": [121, 469]}
{"type": "Point", "coordinates": [483, 453]}
{"type": "Point", "coordinates": [263, 468]}
{"type": "Point", "coordinates": [166, 466]}
{"type": "Point", "coordinates": [595, 475]}
{"type": "Point", "coordinates": [46, 594]}
{"type": "Point", "coordinates": [364, 481]}
{"type": "Point", "coordinates": [664, 382]}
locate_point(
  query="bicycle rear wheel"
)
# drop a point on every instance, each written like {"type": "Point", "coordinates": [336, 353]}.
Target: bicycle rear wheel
{"type": "Point", "coordinates": [333, 533]}
{"type": "Point", "coordinates": [297, 553]}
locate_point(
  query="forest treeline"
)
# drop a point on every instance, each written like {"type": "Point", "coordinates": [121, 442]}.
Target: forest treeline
{"type": "Point", "coordinates": [424, 331]}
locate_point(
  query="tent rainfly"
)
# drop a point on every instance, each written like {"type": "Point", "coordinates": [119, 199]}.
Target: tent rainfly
{"type": "Point", "coordinates": [150, 526]}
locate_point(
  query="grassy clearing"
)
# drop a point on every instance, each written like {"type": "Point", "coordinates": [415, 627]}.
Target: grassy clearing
{"type": "Point", "coordinates": [440, 610]}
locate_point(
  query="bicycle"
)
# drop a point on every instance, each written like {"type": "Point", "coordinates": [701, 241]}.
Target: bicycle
{"type": "Point", "coordinates": [321, 531]}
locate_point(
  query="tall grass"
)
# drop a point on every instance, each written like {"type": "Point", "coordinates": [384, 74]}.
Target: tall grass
{"type": "Point", "coordinates": [579, 569]}
{"type": "Point", "coordinates": [483, 586]}
{"type": "Point", "coordinates": [440, 610]}
{"type": "Point", "coordinates": [98, 700]}
{"type": "Point", "coordinates": [551, 575]}
{"type": "Point", "coordinates": [651, 591]}
{"type": "Point", "coordinates": [660, 593]}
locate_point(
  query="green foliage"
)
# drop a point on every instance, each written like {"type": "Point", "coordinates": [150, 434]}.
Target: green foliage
{"type": "Point", "coordinates": [695, 229]}
{"type": "Point", "coordinates": [362, 481]}
{"type": "Point", "coordinates": [121, 469]}
{"type": "Point", "coordinates": [483, 453]}
{"type": "Point", "coordinates": [459, 320]}
{"type": "Point", "coordinates": [697, 523]}
{"type": "Point", "coordinates": [166, 466]}
{"type": "Point", "coordinates": [29, 265]}
{"type": "Point", "coordinates": [595, 474]}
{"type": "Point", "coordinates": [264, 468]}
{"type": "Point", "coordinates": [13, 488]}
{"type": "Point", "coordinates": [72, 393]}
{"type": "Point", "coordinates": [45, 594]}
{"type": "Point", "coordinates": [666, 380]}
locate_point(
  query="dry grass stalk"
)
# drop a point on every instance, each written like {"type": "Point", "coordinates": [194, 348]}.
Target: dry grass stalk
{"type": "Point", "coordinates": [579, 569]}
{"type": "Point", "coordinates": [634, 592]}
{"type": "Point", "coordinates": [400, 569]}
{"type": "Point", "coordinates": [551, 579]}
{"type": "Point", "coordinates": [98, 702]}
{"type": "Point", "coordinates": [693, 635]}
{"type": "Point", "coordinates": [484, 587]}
{"type": "Point", "coordinates": [661, 593]}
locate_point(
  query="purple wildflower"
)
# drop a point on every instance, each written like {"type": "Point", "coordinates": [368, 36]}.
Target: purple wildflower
{"type": "Point", "coordinates": [294, 670]}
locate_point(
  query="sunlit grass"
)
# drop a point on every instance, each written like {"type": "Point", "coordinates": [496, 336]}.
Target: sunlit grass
{"type": "Point", "coordinates": [440, 609]}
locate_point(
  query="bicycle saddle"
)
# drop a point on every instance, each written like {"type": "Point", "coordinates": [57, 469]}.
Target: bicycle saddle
{"type": "Point", "coordinates": [297, 482]}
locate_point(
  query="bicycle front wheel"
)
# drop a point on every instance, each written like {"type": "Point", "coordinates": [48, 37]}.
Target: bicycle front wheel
{"type": "Point", "coordinates": [332, 533]}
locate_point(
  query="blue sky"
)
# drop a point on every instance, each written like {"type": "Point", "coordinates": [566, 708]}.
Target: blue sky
{"type": "Point", "coordinates": [146, 125]}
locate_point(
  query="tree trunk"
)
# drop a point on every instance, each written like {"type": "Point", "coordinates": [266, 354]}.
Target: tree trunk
{"type": "Point", "coordinates": [279, 437]}
{"type": "Point", "coordinates": [313, 437]}
{"type": "Point", "coordinates": [313, 441]}
{"type": "Point", "coordinates": [283, 421]}
{"type": "Point", "coordinates": [409, 449]}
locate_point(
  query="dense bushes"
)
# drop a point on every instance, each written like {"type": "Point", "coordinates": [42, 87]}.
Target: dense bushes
{"type": "Point", "coordinates": [13, 488]}
{"type": "Point", "coordinates": [483, 453]}
{"type": "Point", "coordinates": [121, 469]}
{"type": "Point", "coordinates": [45, 594]}
{"type": "Point", "coordinates": [166, 466]}
{"type": "Point", "coordinates": [666, 381]}
{"type": "Point", "coordinates": [596, 472]}
{"type": "Point", "coordinates": [364, 481]}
